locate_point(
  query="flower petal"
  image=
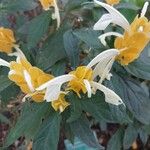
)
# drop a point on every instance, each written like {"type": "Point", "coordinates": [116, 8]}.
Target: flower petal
{"type": "Point", "coordinates": [103, 22]}
{"type": "Point", "coordinates": [110, 96]}
{"type": "Point", "coordinates": [28, 80]}
{"type": "Point", "coordinates": [110, 53]}
{"type": "Point", "coordinates": [88, 88]}
{"type": "Point", "coordinates": [103, 36]}
{"type": "Point", "coordinates": [19, 54]}
{"type": "Point", "coordinates": [58, 80]}
{"type": "Point", "coordinates": [144, 9]}
{"type": "Point", "coordinates": [116, 16]}
{"type": "Point", "coordinates": [103, 68]}
{"type": "Point", "coordinates": [4, 63]}
{"type": "Point", "coordinates": [52, 93]}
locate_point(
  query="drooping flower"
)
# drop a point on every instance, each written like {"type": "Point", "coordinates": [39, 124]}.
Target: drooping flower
{"type": "Point", "coordinates": [112, 2]}
{"type": "Point", "coordinates": [135, 38]}
{"type": "Point", "coordinates": [7, 40]}
{"type": "Point", "coordinates": [83, 79]}
{"type": "Point", "coordinates": [47, 4]}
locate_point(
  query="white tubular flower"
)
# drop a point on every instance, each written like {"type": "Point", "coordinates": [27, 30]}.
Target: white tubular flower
{"type": "Point", "coordinates": [56, 14]}
{"type": "Point", "coordinates": [85, 75]}
{"type": "Point", "coordinates": [103, 63]}
{"type": "Point", "coordinates": [110, 96]}
{"type": "Point", "coordinates": [144, 9]}
{"type": "Point", "coordinates": [4, 63]}
{"type": "Point", "coordinates": [114, 16]}
{"type": "Point", "coordinates": [103, 36]}
{"type": "Point", "coordinates": [28, 80]}
{"type": "Point", "coordinates": [53, 87]}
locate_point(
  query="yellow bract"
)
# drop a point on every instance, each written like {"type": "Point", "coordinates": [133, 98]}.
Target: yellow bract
{"type": "Point", "coordinates": [38, 77]}
{"type": "Point", "coordinates": [46, 4]}
{"type": "Point", "coordinates": [60, 104]}
{"type": "Point", "coordinates": [133, 42]}
{"type": "Point", "coordinates": [77, 84]}
{"type": "Point", "coordinates": [112, 2]}
{"type": "Point", "coordinates": [7, 40]}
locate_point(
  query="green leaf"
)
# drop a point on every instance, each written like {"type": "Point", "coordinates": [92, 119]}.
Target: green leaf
{"type": "Point", "coordinates": [75, 109]}
{"type": "Point", "coordinates": [74, 4]}
{"type": "Point", "coordinates": [71, 44]}
{"type": "Point", "coordinates": [134, 97]}
{"type": "Point", "coordinates": [53, 49]}
{"type": "Point", "coordinates": [29, 121]}
{"type": "Point", "coordinates": [48, 136]}
{"type": "Point", "coordinates": [18, 5]}
{"type": "Point", "coordinates": [115, 143]}
{"type": "Point", "coordinates": [89, 36]}
{"type": "Point", "coordinates": [81, 129]}
{"type": "Point", "coordinates": [100, 110]}
{"type": "Point", "coordinates": [4, 82]}
{"type": "Point", "coordinates": [141, 67]}
{"type": "Point", "coordinates": [130, 136]}
{"type": "Point", "coordinates": [127, 6]}
{"type": "Point", "coordinates": [4, 119]}
{"type": "Point", "coordinates": [36, 28]}
{"type": "Point", "coordinates": [59, 68]}
{"type": "Point", "coordinates": [143, 136]}
{"type": "Point", "coordinates": [6, 87]}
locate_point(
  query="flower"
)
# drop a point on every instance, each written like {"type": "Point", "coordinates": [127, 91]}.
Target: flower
{"type": "Point", "coordinates": [82, 79]}
{"type": "Point", "coordinates": [81, 74]}
{"type": "Point", "coordinates": [135, 38]}
{"type": "Point", "coordinates": [132, 43]}
{"type": "Point", "coordinates": [112, 17]}
{"type": "Point", "coordinates": [7, 40]}
{"type": "Point", "coordinates": [112, 2]}
{"type": "Point", "coordinates": [60, 104]}
{"type": "Point", "coordinates": [46, 4]}
{"type": "Point", "coordinates": [27, 77]}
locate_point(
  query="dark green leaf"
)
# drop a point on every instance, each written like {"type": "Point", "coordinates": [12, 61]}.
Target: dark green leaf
{"type": "Point", "coordinates": [52, 50]}
{"type": "Point", "coordinates": [59, 68]}
{"type": "Point", "coordinates": [115, 143]}
{"type": "Point", "coordinates": [4, 119]}
{"type": "Point", "coordinates": [29, 121]}
{"type": "Point", "coordinates": [127, 6]}
{"type": "Point", "coordinates": [130, 136]}
{"type": "Point", "coordinates": [71, 44]}
{"type": "Point", "coordinates": [81, 129]}
{"type": "Point", "coordinates": [141, 67]}
{"type": "Point", "coordinates": [75, 109]}
{"type": "Point", "coordinates": [100, 110]}
{"type": "Point", "coordinates": [48, 135]}
{"type": "Point", "coordinates": [4, 82]}
{"type": "Point", "coordinates": [18, 5]}
{"type": "Point", "coordinates": [134, 97]}
{"type": "Point", "coordinates": [89, 36]}
{"type": "Point", "coordinates": [36, 28]}
{"type": "Point", "coordinates": [74, 4]}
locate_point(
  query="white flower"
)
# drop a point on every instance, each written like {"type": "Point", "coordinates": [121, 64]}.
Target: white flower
{"type": "Point", "coordinates": [54, 87]}
{"type": "Point", "coordinates": [103, 63]}
{"type": "Point", "coordinates": [113, 16]}
{"type": "Point", "coordinates": [4, 63]}
{"type": "Point", "coordinates": [56, 14]}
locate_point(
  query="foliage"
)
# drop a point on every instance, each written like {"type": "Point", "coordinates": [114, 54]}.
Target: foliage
{"type": "Point", "coordinates": [61, 50]}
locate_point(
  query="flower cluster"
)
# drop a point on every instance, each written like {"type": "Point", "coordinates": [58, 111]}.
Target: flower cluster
{"type": "Point", "coordinates": [87, 79]}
